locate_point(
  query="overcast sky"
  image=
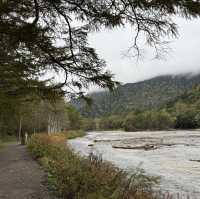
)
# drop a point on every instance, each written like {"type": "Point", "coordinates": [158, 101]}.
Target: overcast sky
{"type": "Point", "coordinates": [184, 57]}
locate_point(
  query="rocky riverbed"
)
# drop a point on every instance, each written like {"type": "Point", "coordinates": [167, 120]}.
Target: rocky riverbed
{"type": "Point", "coordinates": [172, 155]}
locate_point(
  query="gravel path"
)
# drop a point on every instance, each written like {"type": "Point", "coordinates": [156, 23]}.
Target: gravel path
{"type": "Point", "coordinates": [20, 176]}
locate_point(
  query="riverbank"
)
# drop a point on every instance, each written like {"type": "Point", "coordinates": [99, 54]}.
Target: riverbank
{"type": "Point", "coordinates": [72, 176]}
{"type": "Point", "coordinates": [21, 177]}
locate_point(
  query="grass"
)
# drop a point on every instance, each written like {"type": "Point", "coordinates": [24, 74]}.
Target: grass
{"type": "Point", "coordinates": [8, 138]}
{"type": "Point", "coordinates": [75, 177]}
{"type": "Point", "coordinates": [1, 144]}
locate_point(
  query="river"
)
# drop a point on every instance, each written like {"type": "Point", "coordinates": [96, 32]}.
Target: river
{"type": "Point", "coordinates": [174, 156]}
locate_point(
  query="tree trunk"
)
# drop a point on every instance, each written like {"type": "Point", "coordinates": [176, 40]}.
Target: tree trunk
{"type": "Point", "coordinates": [54, 125]}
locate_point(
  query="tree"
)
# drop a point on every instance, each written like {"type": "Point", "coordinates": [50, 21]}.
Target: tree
{"type": "Point", "coordinates": [88, 124]}
{"type": "Point", "coordinates": [186, 120]}
{"type": "Point", "coordinates": [149, 120]}
{"type": "Point", "coordinates": [164, 120]}
{"type": "Point", "coordinates": [74, 117]}
{"type": "Point", "coordinates": [129, 123]}
{"type": "Point", "coordinates": [38, 36]}
{"type": "Point", "coordinates": [112, 122]}
{"type": "Point", "coordinates": [186, 116]}
{"type": "Point", "coordinates": [43, 116]}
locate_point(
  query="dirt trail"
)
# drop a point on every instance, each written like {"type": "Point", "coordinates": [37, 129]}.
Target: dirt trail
{"type": "Point", "coordinates": [20, 176]}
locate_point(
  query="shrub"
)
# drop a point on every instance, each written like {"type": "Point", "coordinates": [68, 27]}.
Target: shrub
{"type": "Point", "coordinates": [75, 177]}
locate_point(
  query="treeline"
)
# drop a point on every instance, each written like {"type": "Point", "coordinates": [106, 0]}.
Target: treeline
{"type": "Point", "coordinates": [183, 113]}
{"type": "Point", "coordinates": [135, 121]}
{"type": "Point", "coordinates": [37, 115]}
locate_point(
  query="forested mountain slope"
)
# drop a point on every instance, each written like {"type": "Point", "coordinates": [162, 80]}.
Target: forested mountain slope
{"type": "Point", "coordinates": [143, 95]}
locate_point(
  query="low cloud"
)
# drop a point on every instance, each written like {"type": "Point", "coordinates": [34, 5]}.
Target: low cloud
{"type": "Point", "coordinates": [184, 57]}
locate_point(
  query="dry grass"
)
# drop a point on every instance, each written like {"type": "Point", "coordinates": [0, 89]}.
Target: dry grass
{"type": "Point", "coordinates": [74, 177]}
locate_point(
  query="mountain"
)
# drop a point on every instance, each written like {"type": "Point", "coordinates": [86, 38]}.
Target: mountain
{"type": "Point", "coordinates": [148, 94]}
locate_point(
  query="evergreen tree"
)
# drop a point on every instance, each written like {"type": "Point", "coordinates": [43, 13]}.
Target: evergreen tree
{"type": "Point", "coordinates": [38, 36]}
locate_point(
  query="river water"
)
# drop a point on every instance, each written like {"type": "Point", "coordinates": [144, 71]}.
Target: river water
{"type": "Point", "coordinates": [174, 156]}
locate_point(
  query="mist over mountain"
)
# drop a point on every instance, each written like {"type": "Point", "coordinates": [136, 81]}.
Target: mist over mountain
{"type": "Point", "coordinates": [148, 94]}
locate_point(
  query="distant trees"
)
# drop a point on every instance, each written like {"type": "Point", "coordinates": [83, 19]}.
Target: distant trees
{"type": "Point", "coordinates": [130, 122]}
{"type": "Point", "coordinates": [186, 121]}
{"type": "Point", "coordinates": [88, 124]}
{"type": "Point", "coordinates": [149, 120]}
{"type": "Point", "coordinates": [165, 120]}
{"type": "Point", "coordinates": [187, 116]}
{"type": "Point", "coordinates": [111, 122]}
{"type": "Point", "coordinates": [182, 113]}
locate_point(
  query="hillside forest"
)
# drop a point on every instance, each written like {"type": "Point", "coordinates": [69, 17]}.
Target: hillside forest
{"type": "Point", "coordinates": [33, 115]}
{"type": "Point", "coordinates": [180, 111]}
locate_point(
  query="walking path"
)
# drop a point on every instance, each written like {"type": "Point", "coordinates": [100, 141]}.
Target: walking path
{"type": "Point", "coordinates": [20, 176]}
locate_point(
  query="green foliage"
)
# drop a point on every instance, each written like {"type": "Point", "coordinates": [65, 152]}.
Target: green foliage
{"type": "Point", "coordinates": [88, 124]}
{"type": "Point", "coordinates": [186, 109]}
{"type": "Point", "coordinates": [142, 96]}
{"type": "Point", "coordinates": [129, 123]}
{"type": "Point", "coordinates": [149, 120]}
{"type": "Point", "coordinates": [197, 119]}
{"type": "Point", "coordinates": [164, 120]}
{"type": "Point", "coordinates": [1, 144]}
{"type": "Point", "coordinates": [8, 116]}
{"type": "Point", "coordinates": [42, 37]}
{"type": "Point", "coordinates": [74, 134]}
{"type": "Point", "coordinates": [112, 122]}
{"type": "Point", "coordinates": [71, 176]}
{"type": "Point", "coordinates": [186, 121]}
{"type": "Point", "coordinates": [5, 139]}
{"type": "Point", "coordinates": [37, 115]}
{"type": "Point", "coordinates": [181, 113]}
{"type": "Point", "coordinates": [38, 38]}
{"type": "Point", "coordinates": [43, 25]}
{"type": "Point", "coordinates": [186, 116]}
{"type": "Point", "coordinates": [8, 138]}
{"type": "Point", "coordinates": [75, 120]}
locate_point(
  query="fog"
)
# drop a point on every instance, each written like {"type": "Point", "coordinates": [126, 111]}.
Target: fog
{"type": "Point", "coordinates": [183, 56]}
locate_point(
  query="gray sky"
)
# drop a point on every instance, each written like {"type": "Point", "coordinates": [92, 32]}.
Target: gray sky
{"type": "Point", "coordinates": [184, 57]}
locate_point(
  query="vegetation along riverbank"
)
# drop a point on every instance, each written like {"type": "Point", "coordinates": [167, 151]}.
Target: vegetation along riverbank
{"type": "Point", "coordinates": [72, 176]}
